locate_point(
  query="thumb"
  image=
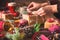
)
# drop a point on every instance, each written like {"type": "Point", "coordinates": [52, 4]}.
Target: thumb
{"type": "Point", "coordinates": [32, 8]}
{"type": "Point", "coordinates": [29, 6]}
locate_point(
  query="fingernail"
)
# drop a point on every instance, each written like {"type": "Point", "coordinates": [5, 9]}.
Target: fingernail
{"type": "Point", "coordinates": [40, 9]}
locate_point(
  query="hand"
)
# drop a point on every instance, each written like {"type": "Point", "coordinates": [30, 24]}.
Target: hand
{"type": "Point", "coordinates": [34, 6]}
{"type": "Point", "coordinates": [40, 12]}
{"type": "Point", "coordinates": [46, 10]}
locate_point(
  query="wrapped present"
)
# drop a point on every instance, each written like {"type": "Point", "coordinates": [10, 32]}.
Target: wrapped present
{"type": "Point", "coordinates": [32, 19]}
{"type": "Point", "coordinates": [43, 37]}
{"type": "Point", "coordinates": [2, 15]}
{"type": "Point", "coordinates": [54, 28]}
{"type": "Point", "coordinates": [9, 17]}
{"type": "Point", "coordinates": [50, 22]}
{"type": "Point", "coordinates": [1, 26]}
{"type": "Point", "coordinates": [2, 33]}
{"type": "Point", "coordinates": [7, 26]}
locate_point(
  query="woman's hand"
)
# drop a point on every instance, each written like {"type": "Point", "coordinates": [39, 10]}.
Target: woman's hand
{"type": "Point", "coordinates": [33, 5]}
{"type": "Point", "coordinates": [46, 10]}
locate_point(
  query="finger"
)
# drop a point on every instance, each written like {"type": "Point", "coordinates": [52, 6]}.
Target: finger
{"type": "Point", "coordinates": [33, 12]}
{"type": "Point", "coordinates": [43, 14]}
{"type": "Point", "coordinates": [29, 11]}
{"type": "Point", "coordinates": [41, 9]}
{"type": "Point", "coordinates": [32, 8]}
{"type": "Point", "coordinates": [30, 5]}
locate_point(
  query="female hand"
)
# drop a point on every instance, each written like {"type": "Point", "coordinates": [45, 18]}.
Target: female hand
{"type": "Point", "coordinates": [34, 5]}
{"type": "Point", "coordinates": [46, 10]}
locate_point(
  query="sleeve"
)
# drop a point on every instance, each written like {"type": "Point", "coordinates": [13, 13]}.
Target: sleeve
{"type": "Point", "coordinates": [53, 1]}
{"type": "Point", "coordinates": [56, 2]}
{"type": "Point", "coordinates": [58, 7]}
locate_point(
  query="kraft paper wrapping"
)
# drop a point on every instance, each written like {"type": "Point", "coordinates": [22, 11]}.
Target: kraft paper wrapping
{"type": "Point", "coordinates": [32, 19]}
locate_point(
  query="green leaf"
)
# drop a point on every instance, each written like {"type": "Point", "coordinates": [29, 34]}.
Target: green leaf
{"type": "Point", "coordinates": [9, 36]}
{"type": "Point", "coordinates": [37, 27]}
{"type": "Point", "coordinates": [15, 37]}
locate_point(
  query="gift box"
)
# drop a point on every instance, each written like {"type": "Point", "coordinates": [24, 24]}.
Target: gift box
{"type": "Point", "coordinates": [2, 15]}
{"type": "Point", "coordinates": [9, 17]}
{"type": "Point", "coordinates": [48, 24]}
{"type": "Point", "coordinates": [32, 19]}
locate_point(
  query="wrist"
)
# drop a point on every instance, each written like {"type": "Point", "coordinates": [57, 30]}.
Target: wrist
{"type": "Point", "coordinates": [54, 8]}
{"type": "Point", "coordinates": [44, 4]}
